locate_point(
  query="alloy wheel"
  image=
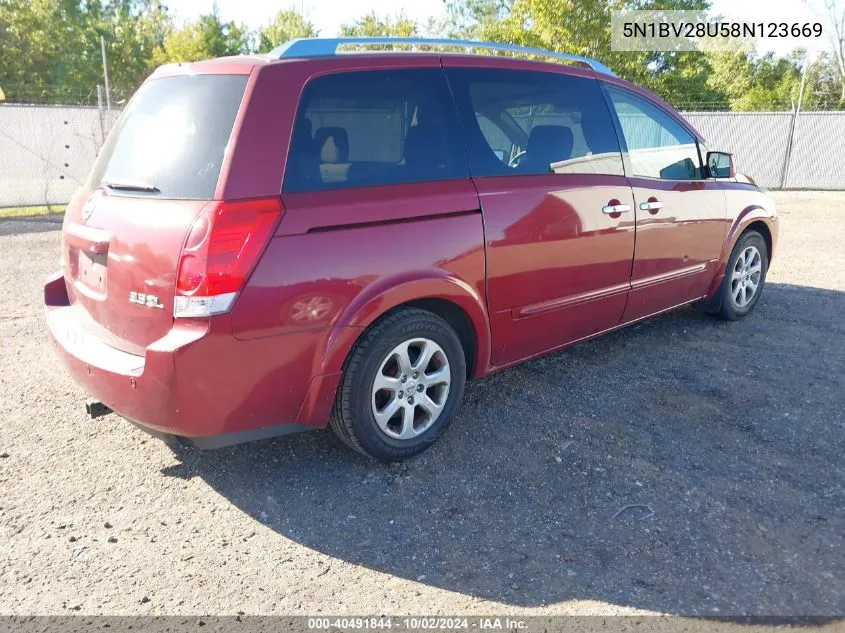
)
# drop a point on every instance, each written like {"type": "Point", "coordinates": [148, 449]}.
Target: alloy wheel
{"type": "Point", "coordinates": [745, 276]}
{"type": "Point", "coordinates": [410, 388]}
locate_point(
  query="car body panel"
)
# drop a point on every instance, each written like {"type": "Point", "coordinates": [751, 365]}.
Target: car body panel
{"type": "Point", "coordinates": [678, 245]}
{"type": "Point", "coordinates": [438, 238]}
{"type": "Point", "coordinates": [138, 242]}
{"type": "Point", "coordinates": [558, 268]}
{"type": "Point", "coordinates": [196, 381]}
{"type": "Point", "coordinates": [746, 206]}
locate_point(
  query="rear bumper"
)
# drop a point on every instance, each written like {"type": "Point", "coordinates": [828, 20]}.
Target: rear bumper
{"type": "Point", "coordinates": [198, 381]}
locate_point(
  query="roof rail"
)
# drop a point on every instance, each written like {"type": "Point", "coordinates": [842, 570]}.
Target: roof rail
{"type": "Point", "coordinates": [326, 47]}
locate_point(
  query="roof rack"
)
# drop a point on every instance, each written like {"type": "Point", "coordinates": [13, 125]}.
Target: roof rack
{"type": "Point", "coordinates": [326, 47]}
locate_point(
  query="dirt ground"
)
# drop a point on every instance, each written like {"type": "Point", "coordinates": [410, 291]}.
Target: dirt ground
{"type": "Point", "coordinates": [732, 433]}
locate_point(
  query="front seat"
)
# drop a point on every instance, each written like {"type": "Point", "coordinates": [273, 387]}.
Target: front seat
{"type": "Point", "coordinates": [547, 144]}
{"type": "Point", "coordinates": [423, 152]}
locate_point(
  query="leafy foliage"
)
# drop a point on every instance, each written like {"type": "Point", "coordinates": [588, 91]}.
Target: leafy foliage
{"type": "Point", "coordinates": [50, 49]}
{"type": "Point", "coordinates": [205, 37]}
{"type": "Point", "coordinates": [371, 25]}
{"type": "Point", "coordinates": [286, 25]}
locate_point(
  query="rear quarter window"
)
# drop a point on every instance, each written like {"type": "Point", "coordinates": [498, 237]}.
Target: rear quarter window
{"type": "Point", "coordinates": [368, 128]}
{"type": "Point", "coordinates": [173, 136]}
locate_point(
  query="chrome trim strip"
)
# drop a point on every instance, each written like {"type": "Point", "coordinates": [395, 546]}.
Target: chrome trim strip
{"type": "Point", "coordinates": [637, 284]}
{"type": "Point", "coordinates": [569, 301]}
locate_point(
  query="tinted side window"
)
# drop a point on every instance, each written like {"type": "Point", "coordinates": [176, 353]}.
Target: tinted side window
{"type": "Point", "coordinates": [496, 138]}
{"type": "Point", "coordinates": [658, 146]}
{"type": "Point", "coordinates": [375, 128]}
{"type": "Point", "coordinates": [518, 122]}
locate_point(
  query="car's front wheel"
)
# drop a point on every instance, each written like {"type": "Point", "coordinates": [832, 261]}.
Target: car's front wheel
{"type": "Point", "coordinates": [745, 276]}
{"type": "Point", "coordinates": [401, 386]}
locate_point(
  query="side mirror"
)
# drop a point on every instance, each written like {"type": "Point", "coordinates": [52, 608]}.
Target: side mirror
{"type": "Point", "coordinates": [720, 165]}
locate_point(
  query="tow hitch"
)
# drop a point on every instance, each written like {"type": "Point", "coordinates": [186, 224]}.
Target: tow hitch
{"type": "Point", "coordinates": [96, 409]}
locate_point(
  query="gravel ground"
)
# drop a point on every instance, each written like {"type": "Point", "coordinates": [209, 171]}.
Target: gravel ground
{"type": "Point", "coordinates": [732, 433]}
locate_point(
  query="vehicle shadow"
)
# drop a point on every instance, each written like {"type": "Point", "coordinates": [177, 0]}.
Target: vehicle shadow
{"type": "Point", "coordinates": [685, 465]}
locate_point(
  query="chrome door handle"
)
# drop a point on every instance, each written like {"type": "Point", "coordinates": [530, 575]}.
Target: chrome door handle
{"type": "Point", "coordinates": [651, 206]}
{"type": "Point", "coordinates": [615, 208]}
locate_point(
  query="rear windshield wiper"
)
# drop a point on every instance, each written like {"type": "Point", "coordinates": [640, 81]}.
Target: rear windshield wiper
{"type": "Point", "coordinates": [130, 185]}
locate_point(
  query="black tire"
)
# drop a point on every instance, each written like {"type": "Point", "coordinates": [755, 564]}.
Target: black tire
{"type": "Point", "coordinates": [353, 418]}
{"type": "Point", "coordinates": [726, 306]}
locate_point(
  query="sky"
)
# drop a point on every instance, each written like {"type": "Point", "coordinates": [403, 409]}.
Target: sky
{"type": "Point", "coordinates": [328, 15]}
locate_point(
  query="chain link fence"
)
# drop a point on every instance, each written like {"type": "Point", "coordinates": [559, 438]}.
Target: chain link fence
{"type": "Point", "coordinates": [46, 151]}
{"type": "Point", "coordinates": [780, 150]}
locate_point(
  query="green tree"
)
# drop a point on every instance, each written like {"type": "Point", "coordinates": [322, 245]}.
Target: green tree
{"type": "Point", "coordinates": [286, 25]}
{"type": "Point", "coordinates": [51, 48]}
{"type": "Point", "coordinates": [835, 10]}
{"type": "Point", "coordinates": [824, 84]}
{"type": "Point", "coordinates": [28, 54]}
{"type": "Point", "coordinates": [133, 31]}
{"type": "Point", "coordinates": [372, 25]}
{"type": "Point", "coordinates": [204, 38]}
{"type": "Point", "coordinates": [469, 18]}
{"type": "Point", "coordinates": [749, 82]}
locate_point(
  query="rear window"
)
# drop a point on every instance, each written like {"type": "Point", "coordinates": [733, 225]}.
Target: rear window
{"type": "Point", "coordinates": [375, 128]}
{"type": "Point", "coordinates": [172, 137]}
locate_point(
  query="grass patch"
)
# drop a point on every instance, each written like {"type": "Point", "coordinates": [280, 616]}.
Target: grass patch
{"type": "Point", "coordinates": [16, 212]}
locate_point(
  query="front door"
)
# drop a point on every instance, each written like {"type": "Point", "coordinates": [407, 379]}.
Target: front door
{"type": "Point", "coordinates": [680, 215]}
{"type": "Point", "coordinates": [558, 211]}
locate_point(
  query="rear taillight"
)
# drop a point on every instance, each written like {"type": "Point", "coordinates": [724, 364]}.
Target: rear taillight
{"type": "Point", "coordinates": [223, 245]}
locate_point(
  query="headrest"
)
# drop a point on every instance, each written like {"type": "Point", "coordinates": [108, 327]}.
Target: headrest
{"type": "Point", "coordinates": [554, 141]}
{"type": "Point", "coordinates": [333, 144]}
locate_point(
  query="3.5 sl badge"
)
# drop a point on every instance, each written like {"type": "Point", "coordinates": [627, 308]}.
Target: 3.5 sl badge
{"type": "Point", "coordinates": [151, 301]}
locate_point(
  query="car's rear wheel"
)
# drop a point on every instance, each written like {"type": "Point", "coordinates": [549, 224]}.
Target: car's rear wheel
{"type": "Point", "coordinates": [745, 276]}
{"type": "Point", "coordinates": [401, 386]}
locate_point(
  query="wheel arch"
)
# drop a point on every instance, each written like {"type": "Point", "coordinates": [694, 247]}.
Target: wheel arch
{"type": "Point", "coordinates": [453, 300]}
{"type": "Point", "coordinates": [763, 229]}
{"type": "Point", "coordinates": [753, 218]}
{"type": "Point", "coordinates": [457, 319]}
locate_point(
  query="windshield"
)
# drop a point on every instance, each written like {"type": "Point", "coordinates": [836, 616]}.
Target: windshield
{"type": "Point", "coordinates": [171, 139]}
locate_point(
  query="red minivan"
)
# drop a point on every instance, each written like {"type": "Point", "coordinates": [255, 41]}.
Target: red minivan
{"type": "Point", "coordinates": [320, 235]}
